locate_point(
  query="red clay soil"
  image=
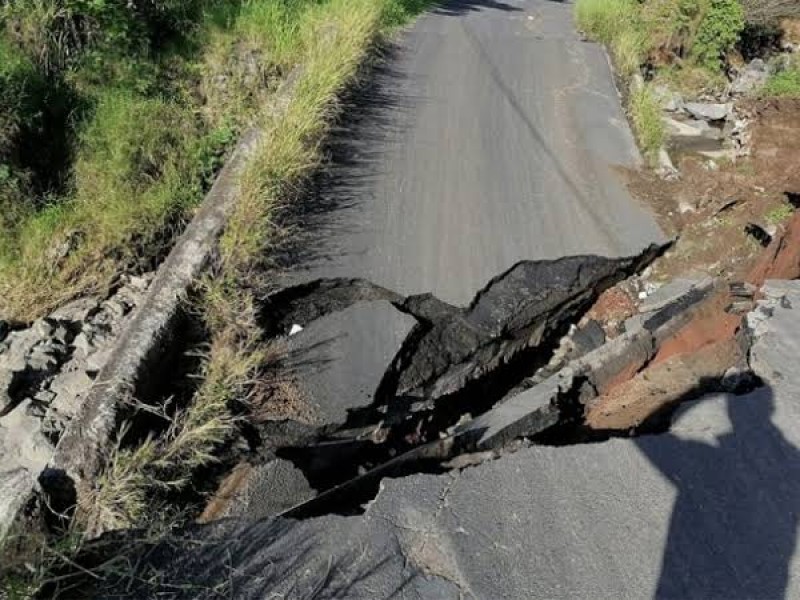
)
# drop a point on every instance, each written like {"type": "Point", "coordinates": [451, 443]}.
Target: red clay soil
{"type": "Point", "coordinates": [709, 208]}
{"type": "Point", "coordinates": [675, 379]}
{"type": "Point", "coordinates": [704, 349]}
{"type": "Point", "coordinates": [781, 260]}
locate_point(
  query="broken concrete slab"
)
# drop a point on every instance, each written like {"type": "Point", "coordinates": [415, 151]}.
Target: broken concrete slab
{"type": "Point", "coordinates": [15, 492]}
{"type": "Point", "coordinates": [525, 414]}
{"type": "Point", "coordinates": [709, 111]}
{"type": "Point", "coordinates": [706, 511]}
{"type": "Point", "coordinates": [258, 491]}
{"type": "Point", "coordinates": [341, 359]}
{"type": "Point", "coordinates": [675, 289]}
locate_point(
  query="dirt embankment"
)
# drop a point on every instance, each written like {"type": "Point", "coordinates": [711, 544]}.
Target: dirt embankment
{"type": "Point", "coordinates": [712, 204]}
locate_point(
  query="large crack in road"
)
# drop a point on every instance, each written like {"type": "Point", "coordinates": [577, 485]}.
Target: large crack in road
{"type": "Point", "coordinates": [452, 365]}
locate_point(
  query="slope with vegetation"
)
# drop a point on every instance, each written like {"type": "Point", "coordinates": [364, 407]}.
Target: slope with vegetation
{"type": "Point", "coordinates": [690, 45]}
{"type": "Point", "coordinates": [114, 117]}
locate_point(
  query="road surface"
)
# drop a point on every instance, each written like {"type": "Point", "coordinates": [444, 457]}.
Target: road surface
{"type": "Point", "coordinates": [491, 134]}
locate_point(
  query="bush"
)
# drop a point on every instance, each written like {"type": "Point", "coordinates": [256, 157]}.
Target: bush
{"type": "Point", "coordinates": [718, 32]}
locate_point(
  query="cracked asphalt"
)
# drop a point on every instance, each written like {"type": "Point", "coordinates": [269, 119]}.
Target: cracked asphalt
{"type": "Point", "coordinates": [490, 134]}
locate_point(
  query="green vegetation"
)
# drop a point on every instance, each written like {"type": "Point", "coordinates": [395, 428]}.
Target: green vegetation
{"type": "Point", "coordinates": [717, 33]}
{"type": "Point", "coordinates": [114, 117]}
{"type": "Point", "coordinates": [780, 214]}
{"type": "Point", "coordinates": [682, 42]}
{"type": "Point", "coordinates": [684, 33]}
{"type": "Point", "coordinates": [785, 82]}
{"type": "Point", "coordinates": [645, 114]}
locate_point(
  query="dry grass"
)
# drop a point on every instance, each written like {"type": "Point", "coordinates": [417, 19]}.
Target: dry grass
{"type": "Point", "coordinates": [336, 36]}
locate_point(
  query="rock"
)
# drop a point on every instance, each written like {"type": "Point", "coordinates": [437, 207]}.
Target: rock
{"type": "Point", "coordinates": [97, 360]}
{"type": "Point", "coordinates": [76, 311]}
{"type": "Point", "coordinates": [22, 443]}
{"type": "Point", "coordinates": [82, 346]}
{"type": "Point", "coordinates": [716, 155]}
{"type": "Point", "coordinates": [61, 249]}
{"type": "Point", "coordinates": [71, 384]}
{"type": "Point", "coordinates": [685, 207]}
{"type": "Point", "coordinates": [709, 111]}
{"type": "Point", "coordinates": [43, 359]}
{"type": "Point", "coordinates": [342, 373]}
{"type": "Point", "coordinates": [752, 77]}
{"type": "Point", "coordinates": [16, 487]}
{"type": "Point", "coordinates": [666, 169]}
{"type": "Point", "coordinates": [693, 128]}
{"type": "Point", "coordinates": [669, 100]}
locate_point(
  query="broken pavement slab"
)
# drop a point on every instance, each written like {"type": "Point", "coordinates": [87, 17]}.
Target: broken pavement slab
{"type": "Point", "coordinates": [706, 511]}
{"type": "Point", "coordinates": [519, 309]}
{"type": "Point", "coordinates": [258, 491]}
{"type": "Point", "coordinates": [341, 359]}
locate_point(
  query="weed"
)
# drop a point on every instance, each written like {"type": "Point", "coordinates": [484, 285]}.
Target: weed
{"type": "Point", "coordinates": [718, 32]}
{"type": "Point", "coordinates": [780, 214]}
{"type": "Point", "coordinates": [647, 122]}
{"type": "Point", "coordinates": [784, 83]}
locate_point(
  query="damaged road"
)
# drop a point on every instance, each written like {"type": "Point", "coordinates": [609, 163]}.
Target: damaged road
{"type": "Point", "coordinates": [443, 365]}
{"type": "Point", "coordinates": [705, 509]}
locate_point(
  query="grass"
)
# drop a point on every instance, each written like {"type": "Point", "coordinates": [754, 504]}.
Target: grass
{"type": "Point", "coordinates": [144, 144]}
{"type": "Point", "coordinates": [785, 83]}
{"type": "Point", "coordinates": [645, 114]}
{"type": "Point", "coordinates": [615, 23]}
{"type": "Point", "coordinates": [335, 37]}
{"type": "Point", "coordinates": [780, 214]}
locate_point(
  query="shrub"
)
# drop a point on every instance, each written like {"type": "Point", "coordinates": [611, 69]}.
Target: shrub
{"type": "Point", "coordinates": [718, 32]}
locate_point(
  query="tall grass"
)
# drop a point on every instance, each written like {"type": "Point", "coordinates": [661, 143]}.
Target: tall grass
{"type": "Point", "coordinates": [615, 23]}
{"type": "Point", "coordinates": [331, 40]}
{"type": "Point", "coordinates": [645, 113]}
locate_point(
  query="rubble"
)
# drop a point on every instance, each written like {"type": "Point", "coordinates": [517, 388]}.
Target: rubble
{"type": "Point", "coordinates": [625, 514]}
{"type": "Point", "coordinates": [751, 77]}
{"type": "Point", "coordinates": [47, 369]}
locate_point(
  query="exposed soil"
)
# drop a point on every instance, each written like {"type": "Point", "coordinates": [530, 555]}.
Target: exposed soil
{"type": "Point", "coordinates": [712, 203]}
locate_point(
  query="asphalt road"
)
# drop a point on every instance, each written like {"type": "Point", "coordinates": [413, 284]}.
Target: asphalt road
{"type": "Point", "coordinates": [490, 134]}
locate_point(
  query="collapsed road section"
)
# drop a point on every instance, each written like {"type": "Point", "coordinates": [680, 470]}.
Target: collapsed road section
{"type": "Point", "coordinates": [376, 396]}
{"type": "Point", "coordinates": [507, 514]}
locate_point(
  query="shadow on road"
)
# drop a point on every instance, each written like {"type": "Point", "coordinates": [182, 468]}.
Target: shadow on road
{"type": "Point", "coordinates": [734, 523]}
{"type": "Point", "coordinates": [460, 7]}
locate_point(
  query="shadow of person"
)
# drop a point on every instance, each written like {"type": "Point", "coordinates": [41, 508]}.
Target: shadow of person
{"type": "Point", "coordinates": [734, 523]}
